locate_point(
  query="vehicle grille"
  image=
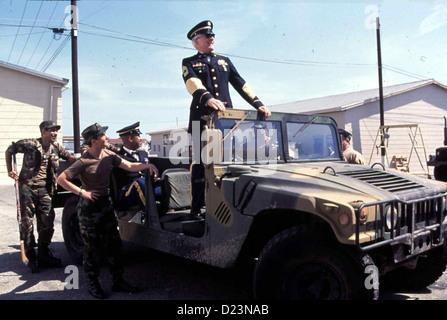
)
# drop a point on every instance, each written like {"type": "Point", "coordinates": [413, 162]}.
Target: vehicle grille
{"type": "Point", "coordinates": [384, 180]}
{"type": "Point", "coordinates": [398, 221]}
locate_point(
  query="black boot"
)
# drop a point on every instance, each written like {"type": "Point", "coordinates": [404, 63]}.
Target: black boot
{"type": "Point", "coordinates": [120, 285]}
{"type": "Point", "coordinates": [32, 260]}
{"type": "Point", "coordinates": [95, 290]}
{"type": "Point", "coordinates": [45, 258]}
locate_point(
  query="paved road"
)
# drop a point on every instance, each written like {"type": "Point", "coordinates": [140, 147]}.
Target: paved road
{"type": "Point", "coordinates": [161, 277]}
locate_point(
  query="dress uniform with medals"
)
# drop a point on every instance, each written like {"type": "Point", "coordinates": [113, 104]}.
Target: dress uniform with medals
{"type": "Point", "coordinates": [132, 184]}
{"type": "Point", "coordinates": [208, 76]}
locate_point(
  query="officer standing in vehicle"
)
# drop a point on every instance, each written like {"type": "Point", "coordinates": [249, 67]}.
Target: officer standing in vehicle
{"type": "Point", "coordinates": [132, 184]}
{"type": "Point", "coordinates": [207, 77]}
{"type": "Point", "coordinates": [97, 219]}
{"type": "Point", "coordinates": [37, 186]}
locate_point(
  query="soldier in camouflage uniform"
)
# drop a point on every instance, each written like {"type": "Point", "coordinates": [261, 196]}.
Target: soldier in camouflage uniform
{"type": "Point", "coordinates": [37, 185]}
{"type": "Point", "coordinates": [98, 224]}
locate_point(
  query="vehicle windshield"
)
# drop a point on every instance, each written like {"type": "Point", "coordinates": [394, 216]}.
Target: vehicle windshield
{"type": "Point", "coordinates": [251, 142]}
{"type": "Point", "coordinates": [254, 141]}
{"type": "Point", "coordinates": [311, 141]}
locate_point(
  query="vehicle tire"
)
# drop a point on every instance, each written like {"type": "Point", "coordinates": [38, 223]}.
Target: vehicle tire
{"type": "Point", "coordinates": [294, 266]}
{"type": "Point", "coordinates": [71, 231]}
{"type": "Point", "coordinates": [427, 271]}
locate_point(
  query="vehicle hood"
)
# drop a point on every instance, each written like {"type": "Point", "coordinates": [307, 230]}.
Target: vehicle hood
{"type": "Point", "coordinates": [347, 179]}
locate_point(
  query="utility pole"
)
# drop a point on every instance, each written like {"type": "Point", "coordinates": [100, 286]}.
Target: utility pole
{"type": "Point", "coordinates": [382, 116]}
{"type": "Point", "coordinates": [74, 71]}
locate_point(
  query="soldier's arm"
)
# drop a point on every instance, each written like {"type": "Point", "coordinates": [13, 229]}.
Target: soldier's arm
{"type": "Point", "coordinates": [64, 154]}
{"type": "Point", "coordinates": [194, 85]}
{"type": "Point", "coordinates": [241, 86]}
{"type": "Point", "coordinates": [136, 166]}
{"type": "Point", "coordinates": [8, 158]}
{"type": "Point", "coordinates": [112, 147]}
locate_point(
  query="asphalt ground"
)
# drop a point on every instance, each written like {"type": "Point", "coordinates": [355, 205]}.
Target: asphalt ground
{"type": "Point", "coordinates": [159, 276]}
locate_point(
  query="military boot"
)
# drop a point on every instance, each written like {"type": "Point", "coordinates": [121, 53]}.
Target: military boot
{"type": "Point", "coordinates": [32, 260]}
{"type": "Point", "coordinates": [120, 285]}
{"type": "Point", "coordinates": [95, 290]}
{"type": "Point", "coordinates": [45, 258]}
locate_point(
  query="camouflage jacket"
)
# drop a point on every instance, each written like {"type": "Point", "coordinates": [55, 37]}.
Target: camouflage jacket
{"type": "Point", "coordinates": [33, 150]}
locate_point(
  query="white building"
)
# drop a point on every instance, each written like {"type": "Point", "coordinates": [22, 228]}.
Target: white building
{"type": "Point", "coordinates": [176, 139]}
{"type": "Point", "coordinates": [422, 103]}
{"type": "Point", "coordinates": [27, 98]}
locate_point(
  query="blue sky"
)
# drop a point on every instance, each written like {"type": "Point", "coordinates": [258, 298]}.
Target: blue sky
{"type": "Point", "coordinates": [286, 50]}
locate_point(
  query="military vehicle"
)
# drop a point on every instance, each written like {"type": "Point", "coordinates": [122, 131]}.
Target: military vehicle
{"type": "Point", "coordinates": [283, 205]}
{"type": "Point", "coordinates": [439, 160]}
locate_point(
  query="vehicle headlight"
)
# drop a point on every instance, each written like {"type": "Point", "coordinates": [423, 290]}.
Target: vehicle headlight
{"type": "Point", "coordinates": [440, 205]}
{"type": "Point", "coordinates": [363, 214]}
{"type": "Point", "coordinates": [391, 222]}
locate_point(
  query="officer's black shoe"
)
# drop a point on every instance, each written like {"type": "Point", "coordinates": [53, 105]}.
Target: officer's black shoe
{"type": "Point", "coordinates": [196, 215]}
{"type": "Point", "coordinates": [120, 285]}
{"type": "Point", "coordinates": [95, 290]}
{"type": "Point", "coordinates": [45, 258]}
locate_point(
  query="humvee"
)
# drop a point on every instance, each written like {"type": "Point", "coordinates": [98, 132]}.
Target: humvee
{"type": "Point", "coordinates": [283, 205]}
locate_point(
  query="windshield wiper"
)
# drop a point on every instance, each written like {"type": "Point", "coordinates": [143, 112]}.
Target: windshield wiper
{"type": "Point", "coordinates": [305, 126]}
{"type": "Point", "coordinates": [235, 126]}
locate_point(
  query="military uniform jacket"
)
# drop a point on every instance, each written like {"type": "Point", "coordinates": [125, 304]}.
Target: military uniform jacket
{"type": "Point", "coordinates": [33, 150]}
{"type": "Point", "coordinates": [208, 76]}
{"type": "Point", "coordinates": [126, 177]}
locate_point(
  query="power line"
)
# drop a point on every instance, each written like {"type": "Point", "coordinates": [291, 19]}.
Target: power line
{"type": "Point", "coordinates": [52, 40]}
{"type": "Point", "coordinates": [60, 48]}
{"type": "Point", "coordinates": [145, 40]}
{"type": "Point", "coordinates": [403, 72]}
{"type": "Point", "coordinates": [27, 39]}
{"type": "Point", "coordinates": [56, 53]}
{"type": "Point", "coordinates": [19, 35]}
{"type": "Point", "coordinates": [140, 39]}
{"type": "Point", "coordinates": [166, 44]}
{"type": "Point", "coordinates": [40, 39]}
{"type": "Point", "coordinates": [23, 25]}
{"type": "Point", "coordinates": [13, 44]}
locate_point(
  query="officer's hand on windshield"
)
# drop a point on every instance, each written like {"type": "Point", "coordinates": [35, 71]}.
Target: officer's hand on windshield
{"type": "Point", "coordinates": [216, 104]}
{"type": "Point", "coordinates": [265, 110]}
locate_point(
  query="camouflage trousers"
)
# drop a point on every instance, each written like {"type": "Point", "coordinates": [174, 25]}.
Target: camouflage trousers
{"type": "Point", "coordinates": [99, 232]}
{"type": "Point", "coordinates": [36, 201]}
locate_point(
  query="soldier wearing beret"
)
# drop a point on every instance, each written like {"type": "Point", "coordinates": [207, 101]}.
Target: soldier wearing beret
{"type": "Point", "coordinates": [132, 184]}
{"type": "Point", "coordinates": [207, 77]}
{"type": "Point", "coordinates": [37, 185]}
{"type": "Point", "coordinates": [97, 219]}
{"type": "Point", "coordinates": [350, 155]}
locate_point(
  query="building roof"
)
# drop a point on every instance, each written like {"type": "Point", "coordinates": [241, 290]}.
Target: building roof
{"type": "Point", "coordinates": [168, 130]}
{"type": "Point", "coordinates": [342, 102]}
{"type": "Point", "coordinates": [36, 73]}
